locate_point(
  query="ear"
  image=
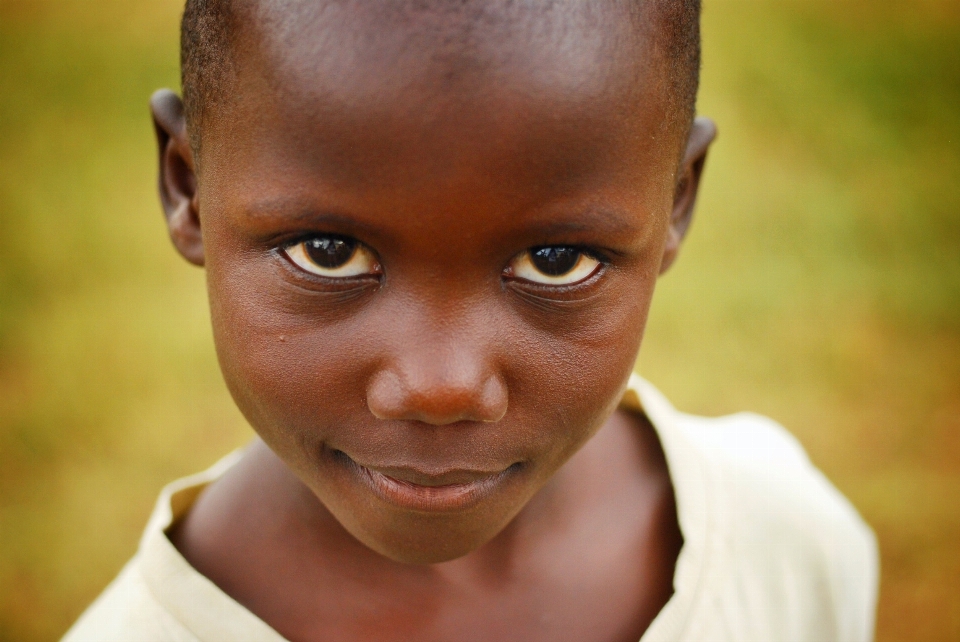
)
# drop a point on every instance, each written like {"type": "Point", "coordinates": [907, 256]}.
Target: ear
{"type": "Point", "coordinates": [178, 178]}
{"type": "Point", "coordinates": [702, 134]}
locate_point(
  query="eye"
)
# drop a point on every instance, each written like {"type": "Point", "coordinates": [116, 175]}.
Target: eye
{"type": "Point", "coordinates": [553, 265]}
{"type": "Point", "coordinates": [333, 257]}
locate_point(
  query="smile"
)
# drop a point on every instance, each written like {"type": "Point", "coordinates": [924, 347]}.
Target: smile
{"type": "Point", "coordinates": [451, 491]}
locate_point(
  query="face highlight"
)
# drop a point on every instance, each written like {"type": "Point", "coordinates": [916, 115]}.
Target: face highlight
{"type": "Point", "coordinates": [429, 282]}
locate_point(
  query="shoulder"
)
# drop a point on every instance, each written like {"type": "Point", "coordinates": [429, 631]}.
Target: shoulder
{"type": "Point", "coordinates": [772, 550]}
{"type": "Point", "coordinates": [758, 464]}
{"type": "Point", "coordinates": [783, 530]}
{"type": "Point", "coordinates": [127, 610]}
{"type": "Point", "coordinates": [158, 596]}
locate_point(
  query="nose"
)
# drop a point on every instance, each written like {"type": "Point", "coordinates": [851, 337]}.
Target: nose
{"type": "Point", "coordinates": [438, 380]}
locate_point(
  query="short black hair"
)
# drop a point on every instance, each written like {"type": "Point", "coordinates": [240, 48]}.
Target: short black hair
{"type": "Point", "coordinates": [208, 26]}
{"type": "Point", "coordinates": [205, 58]}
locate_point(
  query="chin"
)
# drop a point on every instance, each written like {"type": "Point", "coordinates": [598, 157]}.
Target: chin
{"type": "Point", "coordinates": [430, 539]}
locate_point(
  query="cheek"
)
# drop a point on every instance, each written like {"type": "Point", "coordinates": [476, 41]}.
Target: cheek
{"type": "Point", "coordinates": [574, 378]}
{"type": "Point", "coordinates": [287, 371]}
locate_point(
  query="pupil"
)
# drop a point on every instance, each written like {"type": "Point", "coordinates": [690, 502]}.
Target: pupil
{"type": "Point", "coordinates": [555, 260]}
{"type": "Point", "coordinates": [330, 251]}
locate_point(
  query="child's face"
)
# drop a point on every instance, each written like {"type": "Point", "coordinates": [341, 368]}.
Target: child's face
{"type": "Point", "coordinates": [430, 268]}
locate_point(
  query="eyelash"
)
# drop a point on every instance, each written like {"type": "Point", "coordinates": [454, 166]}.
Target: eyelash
{"type": "Point", "coordinates": [299, 254]}
{"type": "Point", "coordinates": [532, 267]}
{"type": "Point", "coordinates": [308, 255]}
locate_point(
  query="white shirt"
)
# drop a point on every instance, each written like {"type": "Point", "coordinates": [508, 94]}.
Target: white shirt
{"type": "Point", "coordinates": [772, 551]}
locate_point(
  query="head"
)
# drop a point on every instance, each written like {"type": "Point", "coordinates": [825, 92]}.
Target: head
{"type": "Point", "coordinates": [432, 231]}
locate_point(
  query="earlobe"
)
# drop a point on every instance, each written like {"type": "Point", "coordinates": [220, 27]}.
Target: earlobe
{"type": "Point", "coordinates": [178, 181]}
{"type": "Point", "coordinates": [702, 134]}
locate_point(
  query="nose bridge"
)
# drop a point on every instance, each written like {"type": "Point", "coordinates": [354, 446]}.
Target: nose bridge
{"type": "Point", "coordinates": [442, 366]}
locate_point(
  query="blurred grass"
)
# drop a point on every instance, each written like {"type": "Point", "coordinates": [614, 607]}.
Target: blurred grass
{"type": "Point", "coordinates": [820, 285]}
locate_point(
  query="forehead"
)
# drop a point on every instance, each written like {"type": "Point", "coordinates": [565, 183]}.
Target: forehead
{"type": "Point", "coordinates": [555, 43]}
{"type": "Point", "coordinates": [395, 91]}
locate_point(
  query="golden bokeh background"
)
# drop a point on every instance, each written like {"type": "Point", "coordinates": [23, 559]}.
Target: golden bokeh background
{"type": "Point", "coordinates": [820, 285]}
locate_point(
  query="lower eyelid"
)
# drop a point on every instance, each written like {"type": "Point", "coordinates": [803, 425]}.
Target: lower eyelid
{"type": "Point", "coordinates": [526, 267]}
{"type": "Point", "coordinates": [297, 255]}
{"type": "Point", "coordinates": [547, 290]}
{"type": "Point", "coordinates": [310, 284]}
{"type": "Point", "coordinates": [553, 298]}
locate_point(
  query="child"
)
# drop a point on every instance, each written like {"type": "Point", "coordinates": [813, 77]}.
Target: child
{"type": "Point", "coordinates": [432, 230]}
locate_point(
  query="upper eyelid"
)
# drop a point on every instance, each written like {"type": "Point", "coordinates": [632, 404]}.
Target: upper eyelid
{"type": "Point", "coordinates": [593, 253]}
{"type": "Point", "coordinates": [299, 273]}
{"type": "Point", "coordinates": [283, 252]}
{"type": "Point", "coordinates": [303, 237]}
{"type": "Point", "coordinates": [589, 250]}
{"type": "Point", "coordinates": [283, 245]}
{"type": "Point", "coordinates": [529, 284]}
{"type": "Point", "coordinates": [283, 240]}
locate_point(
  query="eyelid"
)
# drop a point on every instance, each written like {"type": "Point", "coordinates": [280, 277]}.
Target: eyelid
{"type": "Point", "coordinates": [362, 261]}
{"type": "Point", "coordinates": [521, 268]}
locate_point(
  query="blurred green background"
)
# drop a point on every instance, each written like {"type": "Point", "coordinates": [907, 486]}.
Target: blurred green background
{"type": "Point", "coordinates": [820, 285]}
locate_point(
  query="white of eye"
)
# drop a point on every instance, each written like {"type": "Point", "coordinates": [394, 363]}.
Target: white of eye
{"type": "Point", "coordinates": [357, 260]}
{"type": "Point", "coordinates": [523, 267]}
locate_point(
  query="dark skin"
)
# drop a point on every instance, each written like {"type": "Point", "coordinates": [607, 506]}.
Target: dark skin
{"type": "Point", "coordinates": [441, 456]}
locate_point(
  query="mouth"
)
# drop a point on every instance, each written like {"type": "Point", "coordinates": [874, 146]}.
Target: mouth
{"type": "Point", "coordinates": [411, 489]}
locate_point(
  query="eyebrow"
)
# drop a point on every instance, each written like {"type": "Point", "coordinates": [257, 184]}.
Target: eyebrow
{"type": "Point", "coordinates": [604, 221]}
{"type": "Point", "coordinates": [600, 220]}
{"type": "Point", "coordinates": [288, 207]}
{"type": "Point", "coordinates": [301, 210]}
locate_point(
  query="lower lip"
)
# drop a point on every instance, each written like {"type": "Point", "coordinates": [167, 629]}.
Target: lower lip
{"type": "Point", "coordinates": [430, 499]}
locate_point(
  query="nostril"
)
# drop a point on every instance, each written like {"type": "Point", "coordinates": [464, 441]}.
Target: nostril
{"type": "Point", "coordinates": [385, 395]}
{"type": "Point", "coordinates": [438, 400]}
{"type": "Point", "coordinates": [494, 400]}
